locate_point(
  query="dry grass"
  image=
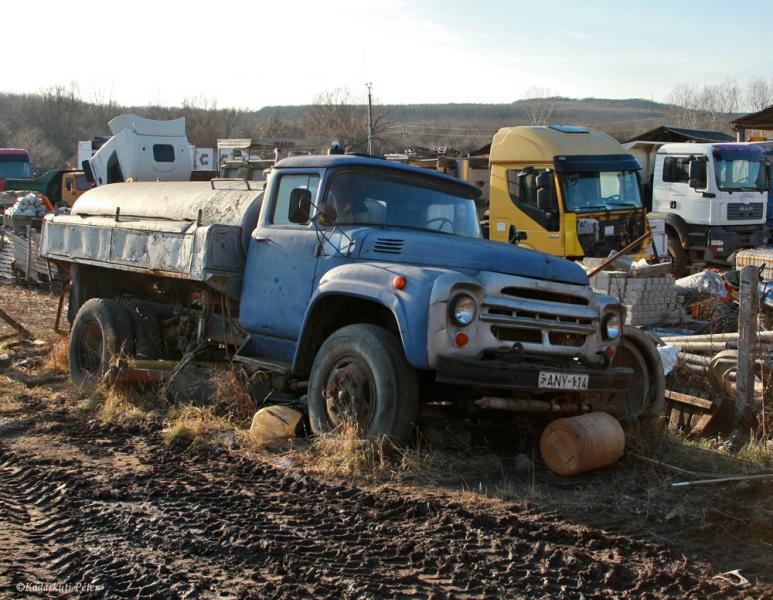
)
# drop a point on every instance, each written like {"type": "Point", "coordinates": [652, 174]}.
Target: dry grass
{"type": "Point", "coordinates": [704, 455]}
{"type": "Point", "coordinates": [122, 406]}
{"type": "Point", "coordinates": [472, 476]}
{"type": "Point", "coordinates": [192, 426]}
{"type": "Point", "coordinates": [58, 360]}
{"type": "Point", "coordinates": [231, 398]}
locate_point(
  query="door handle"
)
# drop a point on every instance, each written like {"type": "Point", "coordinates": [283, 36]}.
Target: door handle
{"type": "Point", "coordinates": [261, 240]}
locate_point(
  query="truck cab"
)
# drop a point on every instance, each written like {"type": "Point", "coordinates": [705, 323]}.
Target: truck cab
{"type": "Point", "coordinates": [14, 164]}
{"type": "Point", "coordinates": [565, 190]}
{"type": "Point", "coordinates": [141, 149]}
{"type": "Point", "coordinates": [713, 198]}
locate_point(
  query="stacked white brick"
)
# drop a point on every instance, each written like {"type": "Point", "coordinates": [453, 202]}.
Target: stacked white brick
{"type": "Point", "coordinates": [648, 300]}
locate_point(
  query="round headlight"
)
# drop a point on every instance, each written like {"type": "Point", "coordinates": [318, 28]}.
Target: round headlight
{"type": "Point", "coordinates": [463, 309]}
{"type": "Point", "coordinates": [612, 326]}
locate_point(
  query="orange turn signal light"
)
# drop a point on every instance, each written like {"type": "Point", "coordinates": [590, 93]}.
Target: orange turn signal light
{"type": "Point", "coordinates": [398, 282]}
{"type": "Point", "coordinates": [461, 339]}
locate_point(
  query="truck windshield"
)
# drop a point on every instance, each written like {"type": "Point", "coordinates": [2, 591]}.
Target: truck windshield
{"type": "Point", "coordinates": [15, 169]}
{"type": "Point", "coordinates": [396, 200]}
{"type": "Point", "coordinates": [605, 190]}
{"type": "Point", "coordinates": [739, 175]}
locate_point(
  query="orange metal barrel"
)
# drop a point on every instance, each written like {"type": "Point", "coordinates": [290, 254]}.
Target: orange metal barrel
{"type": "Point", "coordinates": [577, 444]}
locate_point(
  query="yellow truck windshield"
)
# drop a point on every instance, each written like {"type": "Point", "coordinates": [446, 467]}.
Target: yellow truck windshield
{"type": "Point", "coordinates": [605, 190]}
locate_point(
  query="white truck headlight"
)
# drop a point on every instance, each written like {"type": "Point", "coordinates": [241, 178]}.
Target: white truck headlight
{"type": "Point", "coordinates": [463, 310]}
{"type": "Point", "coordinates": [612, 325]}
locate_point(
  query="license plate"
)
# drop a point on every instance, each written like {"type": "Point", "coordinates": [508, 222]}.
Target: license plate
{"type": "Point", "coordinates": [550, 380]}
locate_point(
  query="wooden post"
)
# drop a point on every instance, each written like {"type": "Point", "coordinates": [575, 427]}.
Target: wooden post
{"type": "Point", "coordinates": [28, 274]}
{"type": "Point", "coordinates": [23, 332]}
{"type": "Point", "coordinates": [747, 342]}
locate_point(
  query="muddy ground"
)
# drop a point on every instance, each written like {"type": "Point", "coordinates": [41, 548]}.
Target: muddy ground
{"type": "Point", "coordinates": [96, 510]}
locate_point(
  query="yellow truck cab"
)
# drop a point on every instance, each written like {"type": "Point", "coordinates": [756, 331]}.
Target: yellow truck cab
{"type": "Point", "coordinates": [566, 191]}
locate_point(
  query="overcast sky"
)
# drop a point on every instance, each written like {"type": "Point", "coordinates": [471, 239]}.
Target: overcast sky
{"type": "Point", "coordinates": [254, 53]}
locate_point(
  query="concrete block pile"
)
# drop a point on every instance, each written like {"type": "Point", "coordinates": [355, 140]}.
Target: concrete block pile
{"type": "Point", "coordinates": [648, 300]}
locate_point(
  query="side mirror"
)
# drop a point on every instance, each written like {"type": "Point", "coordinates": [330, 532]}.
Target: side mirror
{"type": "Point", "coordinates": [523, 173]}
{"type": "Point", "coordinates": [545, 200]}
{"type": "Point", "coordinates": [696, 171]}
{"type": "Point", "coordinates": [327, 214]}
{"type": "Point", "coordinates": [544, 179]}
{"type": "Point", "coordinates": [514, 236]}
{"type": "Point", "coordinates": [299, 210]}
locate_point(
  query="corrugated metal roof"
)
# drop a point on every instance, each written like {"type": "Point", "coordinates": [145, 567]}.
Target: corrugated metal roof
{"type": "Point", "coordinates": [762, 119]}
{"type": "Point", "coordinates": [669, 133]}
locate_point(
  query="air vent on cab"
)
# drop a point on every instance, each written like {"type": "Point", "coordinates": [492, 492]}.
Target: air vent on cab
{"type": "Point", "coordinates": [388, 246]}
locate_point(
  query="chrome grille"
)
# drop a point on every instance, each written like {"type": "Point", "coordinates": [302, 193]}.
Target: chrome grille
{"type": "Point", "coordinates": [540, 317]}
{"type": "Point", "coordinates": [738, 211]}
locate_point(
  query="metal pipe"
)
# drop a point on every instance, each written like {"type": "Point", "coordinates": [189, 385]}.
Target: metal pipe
{"type": "Point", "coordinates": [713, 337]}
{"type": "Point", "coordinates": [522, 405]}
{"type": "Point", "coordinates": [614, 257]}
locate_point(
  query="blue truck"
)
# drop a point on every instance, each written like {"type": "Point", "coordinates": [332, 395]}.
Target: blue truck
{"type": "Point", "coordinates": [359, 286]}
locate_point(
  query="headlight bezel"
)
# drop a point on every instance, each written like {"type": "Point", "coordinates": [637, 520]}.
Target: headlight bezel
{"type": "Point", "coordinates": [453, 309]}
{"type": "Point", "coordinates": [609, 316]}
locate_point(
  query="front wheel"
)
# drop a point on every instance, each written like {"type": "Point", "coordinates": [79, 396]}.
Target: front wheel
{"type": "Point", "coordinates": [680, 261]}
{"type": "Point", "coordinates": [360, 378]}
{"type": "Point", "coordinates": [644, 397]}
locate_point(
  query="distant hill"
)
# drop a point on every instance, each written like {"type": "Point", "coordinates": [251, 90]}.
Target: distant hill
{"type": "Point", "coordinates": [50, 124]}
{"type": "Point", "coordinates": [619, 118]}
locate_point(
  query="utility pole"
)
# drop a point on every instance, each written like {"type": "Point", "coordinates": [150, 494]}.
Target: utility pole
{"type": "Point", "coordinates": [369, 85]}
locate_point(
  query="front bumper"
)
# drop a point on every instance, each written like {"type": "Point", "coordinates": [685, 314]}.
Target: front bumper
{"type": "Point", "coordinates": [721, 242]}
{"type": "Point", "coordinates": [499, 374]}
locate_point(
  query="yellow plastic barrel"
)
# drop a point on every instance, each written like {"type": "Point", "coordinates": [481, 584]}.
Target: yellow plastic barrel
{"type": "Point", "coordinates": [575, 445]}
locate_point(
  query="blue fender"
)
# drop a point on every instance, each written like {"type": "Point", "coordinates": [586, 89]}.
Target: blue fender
{"type": "Point", "coordinates": [373, 281]}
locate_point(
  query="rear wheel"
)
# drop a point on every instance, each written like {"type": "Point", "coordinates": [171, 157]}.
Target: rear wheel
{"type": "Point", "coordinates": [360, 378]}
{"type": "Point", "coordinates": [101, 330]}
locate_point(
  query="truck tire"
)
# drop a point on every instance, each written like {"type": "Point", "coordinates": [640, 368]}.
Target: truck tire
{"type": "Point", "coordinates": [680, 261]}
{"type": "Point", "coordinates": [360, 378]}
{"type": "Point", "coordinates": [148, 344]}
{"type": "Point", "coordinates": [644, 399]}
{"type": "Point", "coordinates": [101, 330]}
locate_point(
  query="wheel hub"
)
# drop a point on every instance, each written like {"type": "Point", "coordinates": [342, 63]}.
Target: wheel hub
{"type": "Point", "coordinates": [349, 393]}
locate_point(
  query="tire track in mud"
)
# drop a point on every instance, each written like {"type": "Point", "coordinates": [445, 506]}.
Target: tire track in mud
{"type": "Point", "coordinates": [219, 525]}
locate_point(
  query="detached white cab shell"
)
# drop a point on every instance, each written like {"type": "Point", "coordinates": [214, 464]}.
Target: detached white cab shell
{"type": "Point", "coordinates": [143, 150]}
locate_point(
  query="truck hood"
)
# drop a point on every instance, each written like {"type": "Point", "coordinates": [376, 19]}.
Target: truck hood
{"type": "Point", "coordinates": [448, 251]}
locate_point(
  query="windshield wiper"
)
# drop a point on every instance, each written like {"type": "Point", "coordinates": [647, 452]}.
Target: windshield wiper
{"type": "Point", "coordinates": [414, 228]}
{"type": "Point", "coordinates": [631, 204]}
{"type": "Point", "coordinates": [592, 207]}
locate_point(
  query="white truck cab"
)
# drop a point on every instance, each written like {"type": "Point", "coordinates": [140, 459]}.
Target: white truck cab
{"type": "Point", "coordinates": [141, 150]}
{"type": "Point", "coordinates": [713, 198]}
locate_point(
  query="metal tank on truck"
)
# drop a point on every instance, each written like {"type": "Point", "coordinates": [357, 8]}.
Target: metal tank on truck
{"type": "Point", "coordinates": [357, 286]}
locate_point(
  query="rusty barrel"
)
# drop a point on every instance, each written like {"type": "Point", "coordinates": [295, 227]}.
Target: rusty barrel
{"type": "Point", "coordinates": [574, 445]}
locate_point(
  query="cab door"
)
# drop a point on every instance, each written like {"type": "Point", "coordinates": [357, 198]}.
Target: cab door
{"type": "Point", "coordinates": [281, 264]}
{"type": "Point", "coordinates": [517, 200]}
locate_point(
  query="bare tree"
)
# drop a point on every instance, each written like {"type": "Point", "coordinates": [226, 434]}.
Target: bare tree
{"type": "Point", "coordinates": [759, 93]}
{"type": "Point", "coordinates": [58, 114]}
{"type": "Point", "coordinates": [709, 106]}
{"type": "Point", "coordinates": [44, 154]}
{"type": "Point", "coordinates": [339, 115]}
{"type": "Point", "coordinates": [538, 104]}
{"type": "Point", "coordinates": [201, 120]}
